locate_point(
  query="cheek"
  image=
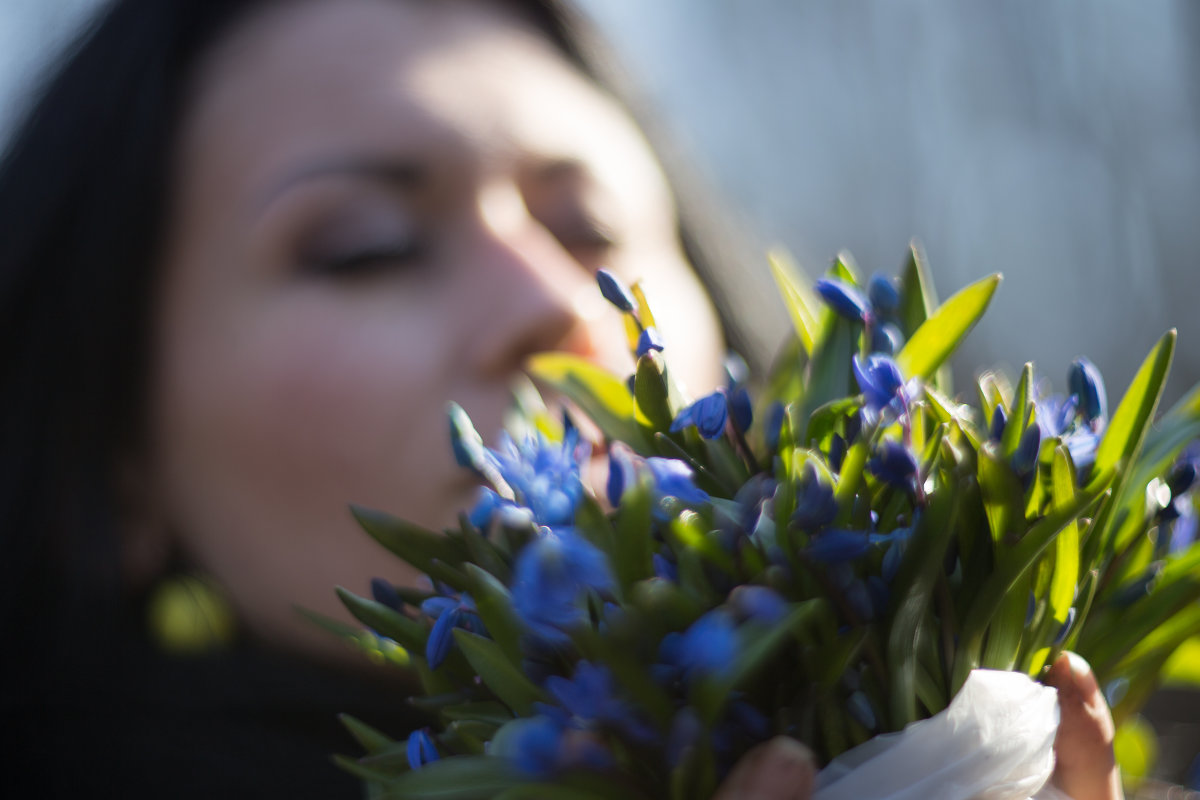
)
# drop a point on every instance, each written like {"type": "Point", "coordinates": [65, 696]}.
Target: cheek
{"type": "Point", "coordinates": [266, 431]}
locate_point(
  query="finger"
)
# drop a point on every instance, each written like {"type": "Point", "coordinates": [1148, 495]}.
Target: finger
{"type": "Point", "coordinates": [781, 769]}
{"type": "Point", "coordinates": [1086, 768]}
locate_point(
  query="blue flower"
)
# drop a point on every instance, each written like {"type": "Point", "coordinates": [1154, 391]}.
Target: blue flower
{"type": "Point", "coordinates": [543, 475]}
{"type": "Point", "coordinates": [880, 379]}
{"type": "Point", "coordinates": [886, 339]}
{"type": "Point", "coordinates": [590, 699]}
{"type": "Point", "coordinates": [448, 612]}
{"type": "Point", "coordinates": [649, 339]}
{"type": "Point", "coordinates": [815, 505]}
{"type": "Point", "coordinates": [615, 291]}
{"type": "Point", "coordinates": [708, 647]}
{"type": "Point", "coordinates": [846, 300]}
{"type": "Point", "coordinates": [1085, 383]}
{"type": "Point", "coordinates": [384, 592]}
{"type": "Point", "coordinates": [708, 414]}
{"type": "Point", "coordinates": [758, 604]}
{"type": "Point", "coordinates": [673, 478]}
{"type": "Point", "coordinates": [882, 293]}
{"type": "Point", "coordinates": [741, 410]}
{"type": "Point", "coordinates": [552, 577]}
{"type": "Point", "coordinates": [421, 750]}
{"type": "Point", "coordinates": [894, 464]}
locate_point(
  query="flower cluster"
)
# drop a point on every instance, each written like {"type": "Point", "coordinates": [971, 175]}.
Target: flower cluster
{"type": "Point", "coordinates": [828, 561]}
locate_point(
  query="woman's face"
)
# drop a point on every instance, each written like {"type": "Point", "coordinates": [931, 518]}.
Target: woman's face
{"type": "Point", "coordinates": [382, 206]}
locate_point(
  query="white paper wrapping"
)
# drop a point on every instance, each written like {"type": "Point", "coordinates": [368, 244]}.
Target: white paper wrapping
{"type": "Point", "coordinates": [994, 742]}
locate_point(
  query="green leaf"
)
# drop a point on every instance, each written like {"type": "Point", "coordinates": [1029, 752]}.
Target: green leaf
{"type": "Point", "coordinates": [371, 740]}
{"type": "Point", "coordinates": [435, 554]}
{"type": "Point", "coordinates": [494, 603]}
{"type": "Point", "coordinates": [1011, 564]}
{"type": "Point", "coordinates": [829, 371]}
{"type": "Point", "coordinates": [499, 674]}
{"type": "Point", "coordinates": [604, 397]}
{"type": "Point", "coordinates": [1003, 495]}
{"type": "Point", "coordinates": [1128, 425]}
{"type": "Point", "coordinates": [938, 336]}
{"type": "Point", "coordinates": [1020, 415]}
{"type": "Point", "coordinates": [633, 546]}
{"type": "Point", "coordinates": [1066, 544]}
{"type": "Point", "coordinates": [913, 590]}
{"type": "Point", "coordinates": [802, 303]}
{"type": "Point", "coordinates": [409, 633]}
{"type": "Point", "coordinates": [456, 778]}
{"type": "Point", "coordinates": [651, 393]}
{"type": "Point", "coordinates": [1007, 628]}
{"type": "Point", "coordinates": [918, 298]}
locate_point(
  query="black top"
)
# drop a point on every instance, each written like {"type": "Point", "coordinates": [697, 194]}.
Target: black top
{"type": "Point", "coordinates": [242, 723]}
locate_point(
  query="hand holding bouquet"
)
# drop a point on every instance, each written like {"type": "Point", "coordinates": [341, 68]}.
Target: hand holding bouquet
{"type": "Point", "coordinates": [830, 562]}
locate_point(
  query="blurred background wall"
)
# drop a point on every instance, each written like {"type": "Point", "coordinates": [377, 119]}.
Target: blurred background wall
{"type": "Point", "coordinates": [1058, 143]}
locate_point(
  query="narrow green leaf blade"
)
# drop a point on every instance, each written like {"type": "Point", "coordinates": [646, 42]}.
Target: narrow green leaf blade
{"type": "Point", "coordinates": [498, 673]}
{"type": "Point", "coordinates": [938, 336]}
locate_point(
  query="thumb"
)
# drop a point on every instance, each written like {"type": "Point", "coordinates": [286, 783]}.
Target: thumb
{"type": "Point", "coordinates": [1086, 768]}
{"type": "Point", "coordinates": [781, 769]}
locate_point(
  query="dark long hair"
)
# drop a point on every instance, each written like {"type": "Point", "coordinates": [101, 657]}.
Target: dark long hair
{"type": "Point", "coordinates": [84, 196]}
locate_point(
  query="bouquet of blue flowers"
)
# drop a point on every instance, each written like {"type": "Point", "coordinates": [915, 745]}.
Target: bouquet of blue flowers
{"type": "Point", "coordinates": [829, 561]}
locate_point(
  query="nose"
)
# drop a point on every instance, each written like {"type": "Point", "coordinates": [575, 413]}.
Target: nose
{"type": "Point", "coordinates": [527, 288]}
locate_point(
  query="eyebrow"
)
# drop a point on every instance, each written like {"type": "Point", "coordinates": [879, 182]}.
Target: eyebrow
{"type": "Point", "coordinates": [399, 174]}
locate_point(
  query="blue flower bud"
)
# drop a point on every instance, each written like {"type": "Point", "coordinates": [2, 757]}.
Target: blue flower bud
{"type": "Point", "coordinates": [1030, 609]}
{"type": "Point", "coordinates": [615, 291]}
{"type": "Point", "coordinates": [886, 339]}
{"type": "Point", "coordinates": [815, 505]}
{"type": "Point", "coordinates": [709, 646]}
{"type": "Point", "coordinates": [1026, 455]}
{"type": "Point", "coordinates": [880, 379]}
{"type": "Point", "coordinates": [1181, 478]}
{"type": "Point", "coordinates": [758, 603]}
{"type": "Point", "coordinates": [894, 464]}
{"type": "Point", "coordinates": [664, 568]}
{"type": "Point", "coordinates": [882, 292]}
{"type": "Point", "coordinates": [741, 411]}
{"type": "Point", "coordinates": [384, 593]}
{"type": "Point", "coordinates": [481, 515]}
{"type": "Point", "coordinates": [421, 750]}
{"type": "Point", "coordinates": [999, 421]}
{"type": "Point", "coordinates": [1066, 627]}
{"type": "Point", "coordinates": [620, 470]}
{"type": "Point", "coordinates": [464, 439]}
{"type": "Point", "coordinates": [837, 452]}
{"type": "Point", "coordinates": [673, 478]}
{"type": "Point", "coordinates": [650, 339]}
{"type": "Point", "coordinates": [774, 424]}
{"type": "Point", "coordinates": [437, 647]}
{"type": "Point", "coordinates": [708, 414]}
{"type": "Point", "coordinates": [1085, 383]}
{"type": "Point", "coordinates": [846, 300]}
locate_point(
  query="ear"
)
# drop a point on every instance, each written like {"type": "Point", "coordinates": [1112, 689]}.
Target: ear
{"type": "Point", "coordinates": [143, 537]}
